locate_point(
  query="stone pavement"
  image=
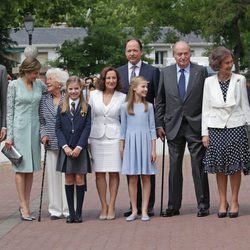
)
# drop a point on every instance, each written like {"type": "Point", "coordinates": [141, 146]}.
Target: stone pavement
{"type": "Point", "coordinates": [180, 232]}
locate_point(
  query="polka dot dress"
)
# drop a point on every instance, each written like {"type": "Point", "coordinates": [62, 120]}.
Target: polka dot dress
{"type": "Point", "coordinates": [228, 147]}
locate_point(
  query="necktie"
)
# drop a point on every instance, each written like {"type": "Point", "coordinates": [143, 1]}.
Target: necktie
{"type": "Point", "coordinates": [133, 72]}
{"type": "Point", "coordinates": [73, 108]}
{"type": "Point", "coordinates": [182, 85]}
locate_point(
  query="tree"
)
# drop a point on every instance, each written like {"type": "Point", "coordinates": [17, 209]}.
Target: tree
{"type": "Point", "coordinates": [223, 22]}
{"type": "Point", "coordinates": [107, 24]}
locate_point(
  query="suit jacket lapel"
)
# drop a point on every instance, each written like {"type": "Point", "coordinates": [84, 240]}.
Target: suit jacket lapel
{"type": "Point", "coordinates": [192, 80]}
{"type": "Point", "coordinates": [173, 84]}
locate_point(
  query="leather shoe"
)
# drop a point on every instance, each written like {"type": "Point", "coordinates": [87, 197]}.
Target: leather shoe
{"type": "Point", "coordinates": [78, 219]}
{"type": "Point", "coordinates": [202, 212]}
{"type": "Point", "coordinates": [151, 212]}
{"type": "Point", "coordinates": [170, 212]}
{"type": "Point", "coordinates": [233, 214]}
{"type": "Point", "coordinates": [70, 219]}
{"type": "Point", "coordinates": [223, 214]}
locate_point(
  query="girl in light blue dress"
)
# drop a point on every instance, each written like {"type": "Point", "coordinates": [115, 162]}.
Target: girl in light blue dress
{"type": "Point", "coordinates": [138, 143]}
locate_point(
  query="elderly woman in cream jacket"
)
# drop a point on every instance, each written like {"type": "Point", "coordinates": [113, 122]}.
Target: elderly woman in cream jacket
{"type": "Point", "coordinates": [224, 115]}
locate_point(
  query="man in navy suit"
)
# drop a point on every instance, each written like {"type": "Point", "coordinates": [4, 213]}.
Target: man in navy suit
{"type": "Point", "coordinates": [135, 67]}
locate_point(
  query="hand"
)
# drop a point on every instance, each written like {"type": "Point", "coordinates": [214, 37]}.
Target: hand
{"type": "Point", "coordinates": [68, 151]}
{"type": "Point", "coordinates": [161, 133]}
{"type": "Point", "coordinates": [45, 140]}
{"type": "Point", "coordinates": [153, 156]}
{"type": "Point", "coordinates": [8, 144]}
{"type": "Point", "coordinates": [3, 134]}
{"type": "Point", "coordinates": [205, 141]}
{"type": "Point", "coordinates": [75, 153]}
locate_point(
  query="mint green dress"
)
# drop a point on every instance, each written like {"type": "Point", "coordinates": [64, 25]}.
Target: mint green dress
{"type": "Point", "coordinates": [23, 123]}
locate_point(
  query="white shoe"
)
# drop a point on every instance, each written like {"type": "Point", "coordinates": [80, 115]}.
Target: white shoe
{"type": "Point", "coordinates": [131, 218]}
{"type": "Point", "coordinates": [145, 218]}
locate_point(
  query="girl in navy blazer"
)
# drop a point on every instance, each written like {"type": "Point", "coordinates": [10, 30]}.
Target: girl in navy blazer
{"type": "Point", "coordinates": [72, 129]}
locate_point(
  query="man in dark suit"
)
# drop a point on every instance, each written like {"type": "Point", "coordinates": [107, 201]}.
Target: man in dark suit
{"type": "Point", "coordinates": [3, 97]}
{"type": "Point", "coordinates": [135, 67]}
{"type": "Point", "coordinates": [178, 117]}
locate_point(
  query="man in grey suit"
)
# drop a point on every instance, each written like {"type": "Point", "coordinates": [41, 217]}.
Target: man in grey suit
{"type": "Point", "coordinates": [135, 67]}
{"type": "Point", "coordinates": [178, 117]}
{"type": "Point", "coordinates": [3, 97]}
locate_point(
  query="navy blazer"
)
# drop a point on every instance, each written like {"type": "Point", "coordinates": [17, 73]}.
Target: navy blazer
{"type": "Point", "coordinates": [73, 130]}
{"type": "Point", "coordinates": [150, 73]}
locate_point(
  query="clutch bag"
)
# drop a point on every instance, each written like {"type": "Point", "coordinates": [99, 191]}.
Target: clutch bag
{"type": "Point", "coordinates": [13, 155]}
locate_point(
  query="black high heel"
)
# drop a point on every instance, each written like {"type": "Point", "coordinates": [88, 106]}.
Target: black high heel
{"type": "Point", "coordinates": [234, 214]}
{"type": "Point", "coordinates": [223, 214]}
{"type": "Point", "coordinates": [24, 218]}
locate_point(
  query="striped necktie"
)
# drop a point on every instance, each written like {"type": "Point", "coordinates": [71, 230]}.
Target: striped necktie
{"type": "Point", "coordinates": [133, 72]}
{"type": "Point", "coordinates": [73, 108]}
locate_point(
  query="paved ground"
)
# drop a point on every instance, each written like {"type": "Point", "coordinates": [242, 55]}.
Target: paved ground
{"type": "Point", "coordinates": [180, 232]}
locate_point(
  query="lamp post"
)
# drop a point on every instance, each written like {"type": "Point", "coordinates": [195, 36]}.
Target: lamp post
{"type": "Point", "coordinates": [29, 26]}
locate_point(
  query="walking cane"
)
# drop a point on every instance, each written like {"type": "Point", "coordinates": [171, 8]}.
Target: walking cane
{"type": "Point", "coordinates": [162, 175]}
{"type": "Point", "coordinates": [41, 196]}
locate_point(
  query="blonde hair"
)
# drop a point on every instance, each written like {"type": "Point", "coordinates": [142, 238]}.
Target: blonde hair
{"type": "Point", "coordinates": [131, 94]}
{"type": "Point", "coordinates": [29, 65]}
{"type": "Point", "coordinates": [65, 103]}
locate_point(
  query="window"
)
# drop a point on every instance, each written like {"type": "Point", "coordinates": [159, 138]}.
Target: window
{"type": "Point", "coordinates": [160, 57]}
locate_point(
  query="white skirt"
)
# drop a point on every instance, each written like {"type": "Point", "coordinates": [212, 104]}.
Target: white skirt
{"type": "Point", "coordinates": [106, 154]}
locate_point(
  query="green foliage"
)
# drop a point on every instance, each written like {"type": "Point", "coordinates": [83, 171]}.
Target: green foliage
{"type": "Point", "coordinates": [110, 22]}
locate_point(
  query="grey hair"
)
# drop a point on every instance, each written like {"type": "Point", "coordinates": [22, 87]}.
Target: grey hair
{"type": "Point", "coordinates": [60, 75]}
{"type": "Point", "coordinates": [217, 56]}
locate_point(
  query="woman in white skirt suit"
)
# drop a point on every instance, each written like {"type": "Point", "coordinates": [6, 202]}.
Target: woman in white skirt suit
{"type": "Point", "coordinates": [104, 138]}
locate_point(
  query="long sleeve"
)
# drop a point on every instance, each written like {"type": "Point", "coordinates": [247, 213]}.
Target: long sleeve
{"type": "Point", "coordinates": [160, 103]}
{"type": "Point", "coordinates": [11, 94]}
{"type": "Point", "coordinates": [59, 133]}
{"type": "Point", "coordinates": [206, 106]}
{"type": "Point", "coordinates": [244, 100]}
{"type": "Point", "coordinates": [83, 140]}
{"type": "Point", "coordinates": [42, 120]}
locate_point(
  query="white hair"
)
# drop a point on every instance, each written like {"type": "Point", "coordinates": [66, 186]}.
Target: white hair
{"type": "Point", "coordinates": [60, 75]}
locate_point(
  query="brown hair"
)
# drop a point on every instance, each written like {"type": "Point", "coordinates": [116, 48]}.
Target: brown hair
{"type": "Point", "coordinates": [217, 56]}
{"type": "Point", "coordinates": [104, 72]}
{"type": "Point", "coordinates": [29, 65]}
{"type": "Point", "coordinates": [131, 94]}
{"type": "Point", "coordinates": [65, 103]}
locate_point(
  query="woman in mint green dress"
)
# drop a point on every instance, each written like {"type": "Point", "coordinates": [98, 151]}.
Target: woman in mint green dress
{"type": "Point", "coordinates": [23, 98]}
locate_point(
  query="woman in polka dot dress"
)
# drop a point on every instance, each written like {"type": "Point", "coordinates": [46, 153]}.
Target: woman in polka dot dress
{"type": "Point", "coordinates": [225, 112]}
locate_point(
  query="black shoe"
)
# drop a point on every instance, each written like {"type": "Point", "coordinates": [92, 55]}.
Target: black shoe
{"type": "Point", "coordinates": [70, 219]}
{"type": "Point", "coordinates": [233, 214]}
{"type": "Point", "coordinates": [78, 219]}
{"type": "Point", "coordinates": [54, 217]}
{"type": "Point", "coordinates": [170, 212]}
{"type": "Point", "coordinates": [151, 212]}
{"type": "Point", "coordinates": [223, 214]}
{"type": "Point", "coordinates": [202, 212]}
